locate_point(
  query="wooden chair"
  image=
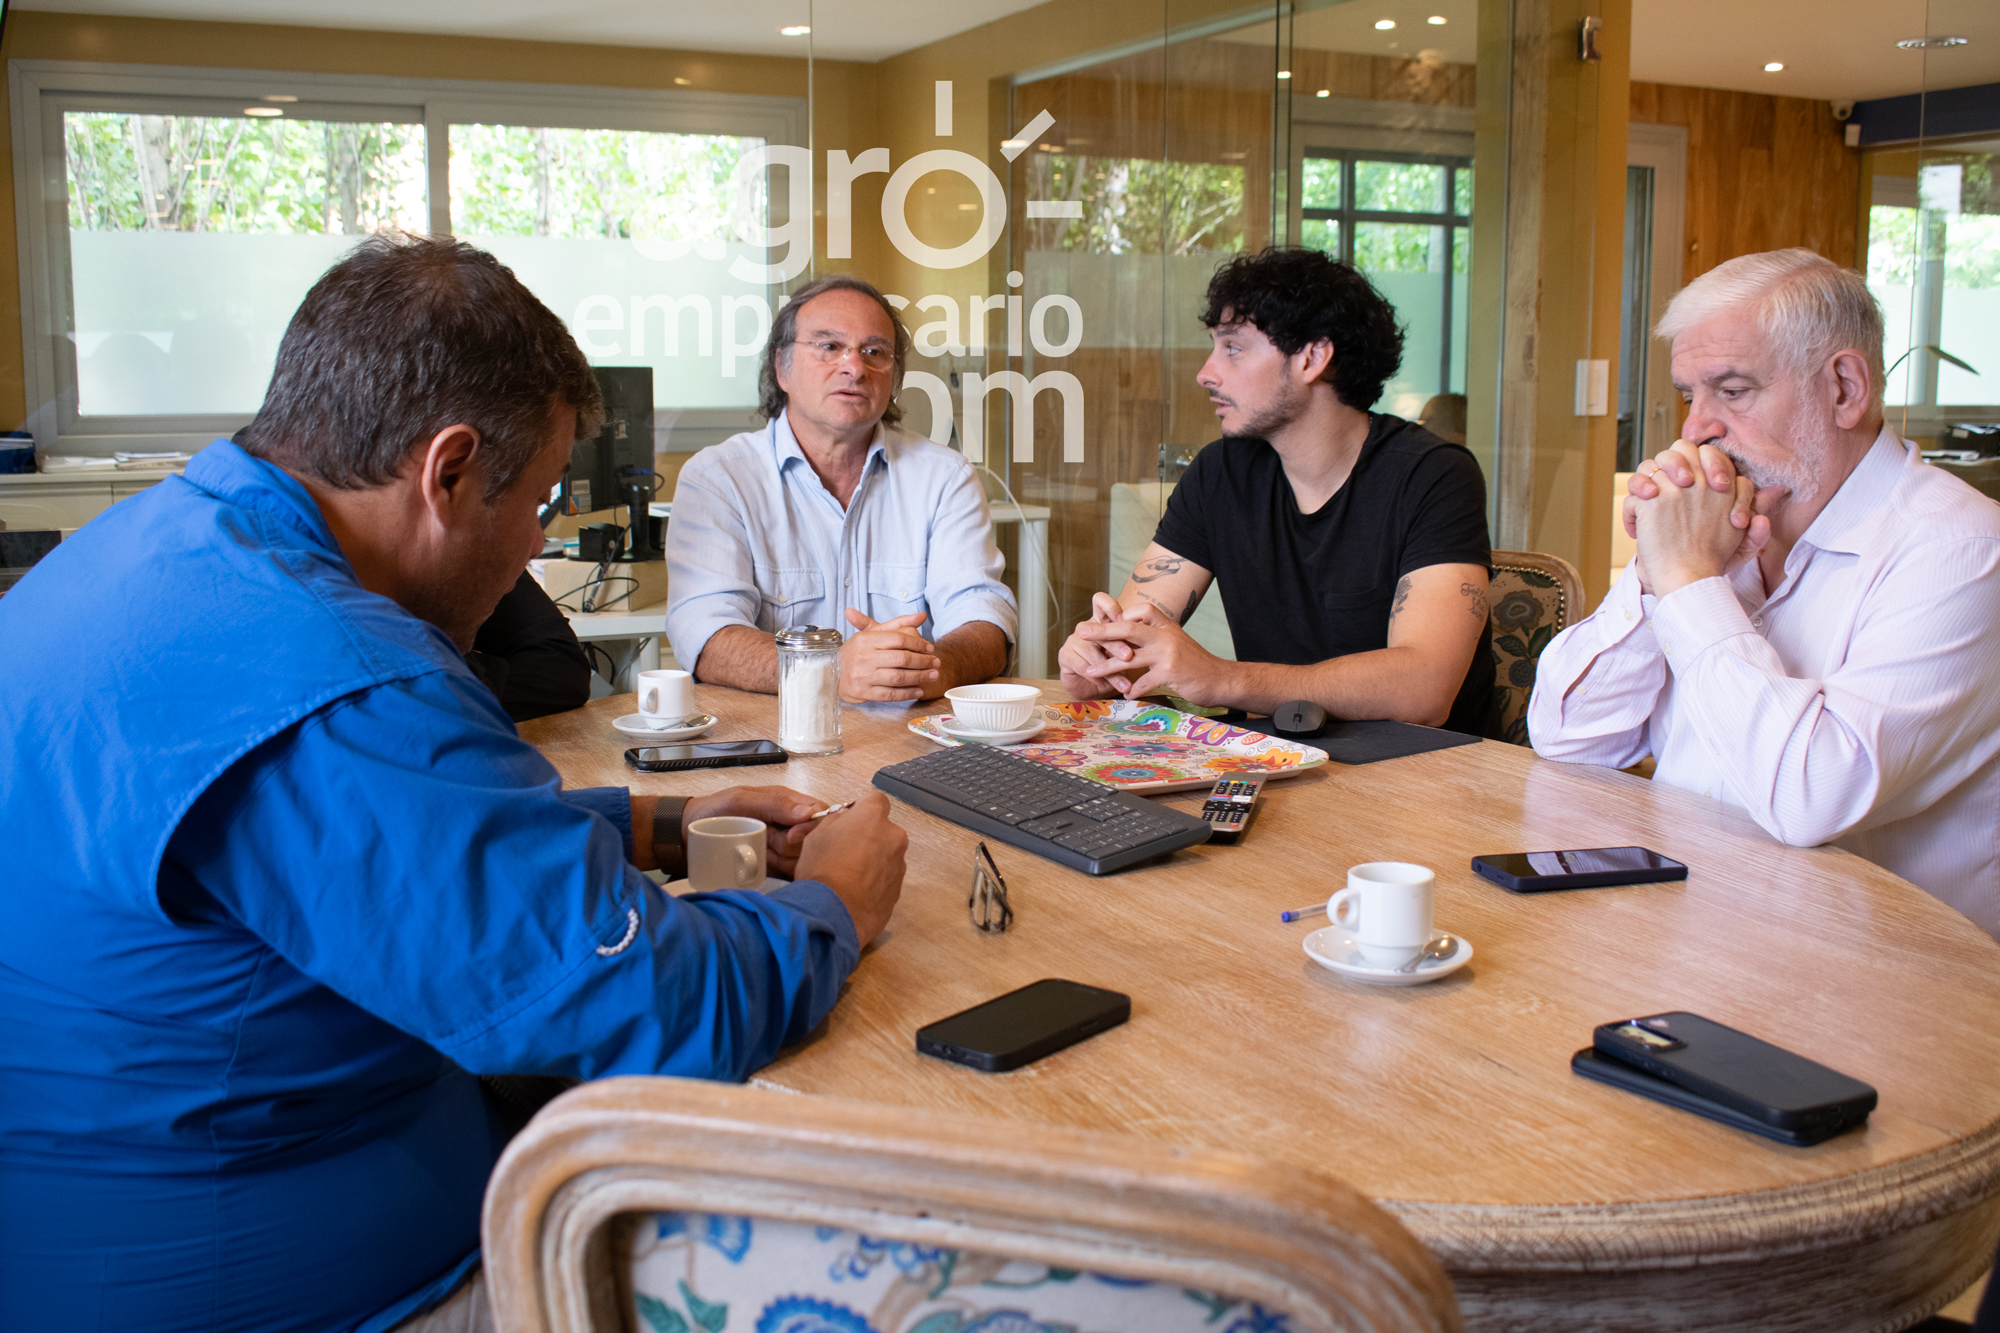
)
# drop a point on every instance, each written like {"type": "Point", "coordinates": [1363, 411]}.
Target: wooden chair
{"type": "Point", "coordinates": [1530, 599]}
{"type": "Point", "coordinates": [671, 1206]}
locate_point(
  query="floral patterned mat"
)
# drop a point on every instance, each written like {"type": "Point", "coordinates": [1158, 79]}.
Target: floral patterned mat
{"type": "Point", "coordinates": [1138, 746]}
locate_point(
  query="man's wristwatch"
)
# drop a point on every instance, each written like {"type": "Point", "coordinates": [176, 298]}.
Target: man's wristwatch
{"type": "Point", "coordinates": [669, 852]}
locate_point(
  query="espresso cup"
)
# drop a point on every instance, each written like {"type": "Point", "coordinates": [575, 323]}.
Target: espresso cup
{"type": "Point", "coordinates": [1386, 907]}
{"type": "Point", "coordinates": [665, 698]}
{"type": "Point", "coordinates": [725, 852]}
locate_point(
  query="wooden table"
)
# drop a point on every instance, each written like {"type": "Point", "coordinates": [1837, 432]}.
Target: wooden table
{"type": "Point", "coordinates": [1553, 1201]}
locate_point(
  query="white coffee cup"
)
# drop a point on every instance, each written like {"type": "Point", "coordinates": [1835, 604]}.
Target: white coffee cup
{"type": "Point", "coordinates": [725, 852]}
{"type": "Point", "coordinates": [665, 698]}
{"type": "Point", "coordinates": [1386, 907]}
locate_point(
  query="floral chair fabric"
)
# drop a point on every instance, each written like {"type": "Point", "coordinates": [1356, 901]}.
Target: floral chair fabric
{"type": "Point", "coordinates": [1531, 598]}
{"type": "Point", "coordinates": [707, 1273]}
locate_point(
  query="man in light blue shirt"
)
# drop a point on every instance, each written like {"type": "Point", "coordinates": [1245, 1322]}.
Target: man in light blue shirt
{"type": "Point", "coordinates": [832, 514]}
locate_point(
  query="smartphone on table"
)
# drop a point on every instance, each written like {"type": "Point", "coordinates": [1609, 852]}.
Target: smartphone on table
{"type": "Point", "coordinates": [713, 754]}
{"type": "Point", "coordinates": [1716, 1071]}
{"type": "Point", "coordinates": [1584, 868]}
{"type": "Point", "coordinates": [1024, 1025]}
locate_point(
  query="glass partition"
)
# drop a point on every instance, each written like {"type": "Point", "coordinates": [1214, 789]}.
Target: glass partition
{"type": "Point", "coordinates": [1932, 241]}
{"type": "Point", "coordinates": [1044, 191]}
{"type": "Point", "coordinates": [1048, 205]}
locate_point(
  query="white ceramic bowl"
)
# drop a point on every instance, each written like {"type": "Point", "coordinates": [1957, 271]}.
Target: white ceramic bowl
{"type": "Point", "coordinates": [993, 707]}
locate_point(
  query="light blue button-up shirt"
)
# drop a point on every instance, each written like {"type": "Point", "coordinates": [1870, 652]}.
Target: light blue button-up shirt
{"type": "Point", "coordinates": [757, 539]}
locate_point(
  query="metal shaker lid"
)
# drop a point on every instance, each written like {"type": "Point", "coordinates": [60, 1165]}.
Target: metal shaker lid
{"type": "Point", "coordinates": [809, 636]}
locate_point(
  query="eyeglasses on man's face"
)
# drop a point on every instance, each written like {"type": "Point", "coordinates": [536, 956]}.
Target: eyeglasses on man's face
{"type": "Point", "coordinates": [874, 356]}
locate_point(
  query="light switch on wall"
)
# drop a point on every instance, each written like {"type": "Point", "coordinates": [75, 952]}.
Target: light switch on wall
{"type": "Point", "coordinates": [1593, 388]}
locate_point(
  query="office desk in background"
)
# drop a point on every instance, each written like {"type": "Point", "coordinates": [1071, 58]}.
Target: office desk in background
{"type": "Point", "coordinates": [1554, 1202]}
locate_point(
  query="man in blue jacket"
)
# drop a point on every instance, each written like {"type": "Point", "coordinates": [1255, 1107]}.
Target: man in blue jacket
{"type": "Point", "coordinates": [281, 879]}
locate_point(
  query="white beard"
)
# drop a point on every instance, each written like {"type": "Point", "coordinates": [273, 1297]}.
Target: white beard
{"type": "Point", "coordinates": [1802, 474]}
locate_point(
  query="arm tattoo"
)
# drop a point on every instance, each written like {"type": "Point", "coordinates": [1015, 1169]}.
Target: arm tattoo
{"type": "Point", "coordinates": [1194, 600]}
{"type": "Point", "coordinates": [1161, 569]}
{"type": "Point", "coordinates": [1402, 597]}
{"type": "Point", "coordinates": [1163, 608]}
{"type": "Point", "coordinates": [1475, 599]}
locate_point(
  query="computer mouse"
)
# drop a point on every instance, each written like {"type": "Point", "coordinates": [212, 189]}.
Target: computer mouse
{"type": "Point", "coordinates": [1300, 717]}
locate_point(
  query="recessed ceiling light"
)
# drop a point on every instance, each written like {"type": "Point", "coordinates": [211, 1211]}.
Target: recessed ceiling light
{"type": "Point", "coordinates": [1437, 20]}
{"type": "Point", "coordinates": [1774, 66]}
{"type": "Point", "coordinates": [1931, 43]}
{"type": "Point", "coordinates": [683, 83]}
{"type": "Point", "coordinates": [1383, 25]}
{"type": "Point", "coordinates": [1284, 74]}
{"type": "Point", "coordinates": [796, 30]}
{"type": "Point", "coordinates": [279, 97]}
{"type": "Point", "coordinates": [262, 111]}
{"type": "Point", "coordinates": [1324, 92]}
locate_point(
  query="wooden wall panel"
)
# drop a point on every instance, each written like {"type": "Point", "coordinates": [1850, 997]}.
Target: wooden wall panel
{"type": "Point", "coordinates": [1763, 173]}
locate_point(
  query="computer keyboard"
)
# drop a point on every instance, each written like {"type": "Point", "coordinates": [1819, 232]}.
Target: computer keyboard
{"type": "Point", "coordinates": [1073, 820]}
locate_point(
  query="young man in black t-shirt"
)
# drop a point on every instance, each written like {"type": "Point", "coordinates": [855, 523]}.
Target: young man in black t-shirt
{"type": "Point", "coordinates": [1350, 548]}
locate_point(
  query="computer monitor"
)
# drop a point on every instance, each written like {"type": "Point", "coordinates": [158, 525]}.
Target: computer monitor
{"type": "Point", "coordinates": [625, 442]}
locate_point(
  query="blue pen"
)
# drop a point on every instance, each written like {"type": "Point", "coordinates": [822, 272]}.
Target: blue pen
{"type": "Point", "coordinates": [1300, 913]}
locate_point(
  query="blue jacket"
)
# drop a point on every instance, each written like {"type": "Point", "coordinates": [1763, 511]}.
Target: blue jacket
{"type": "Point", "coordinates": [276, 872]}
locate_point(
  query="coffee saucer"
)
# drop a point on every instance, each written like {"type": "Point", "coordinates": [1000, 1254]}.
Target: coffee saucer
{"type": "Point", "coordinates": [1334, 949]}
{"type": "Point", "coordinates": [958, 731]}
{"type": "Point", "coordinates": [634, 724]}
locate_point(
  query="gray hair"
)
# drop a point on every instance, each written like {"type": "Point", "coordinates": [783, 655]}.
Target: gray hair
{"type": "Point", "coordinates": [785, 332]}
{"type": "Point", "coordinates": [1808, 307]}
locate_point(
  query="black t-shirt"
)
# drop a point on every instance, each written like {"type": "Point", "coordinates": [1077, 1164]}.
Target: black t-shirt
{"type": "Point", "coordinates": [1301, 588]}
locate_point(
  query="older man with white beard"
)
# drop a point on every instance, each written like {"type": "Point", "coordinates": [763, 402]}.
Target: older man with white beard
{"type": "Point", "coordinates": [1807, 630]}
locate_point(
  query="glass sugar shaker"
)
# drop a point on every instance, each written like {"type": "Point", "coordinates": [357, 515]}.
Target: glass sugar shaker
{"type": "Point", "coordinates": [809, 690]}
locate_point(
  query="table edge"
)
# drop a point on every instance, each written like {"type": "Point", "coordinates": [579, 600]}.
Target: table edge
{"type": "Point", "coordinates": [1681, 1233]}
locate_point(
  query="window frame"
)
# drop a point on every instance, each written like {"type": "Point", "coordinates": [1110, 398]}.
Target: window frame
{"type": "Point", "coordinates": [41, 90]}
{"type": "Point", "coordinates": [1348, 217]}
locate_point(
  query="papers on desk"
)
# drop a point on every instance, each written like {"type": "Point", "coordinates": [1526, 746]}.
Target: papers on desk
{"type": "Point", "coordinates": [172, 461]}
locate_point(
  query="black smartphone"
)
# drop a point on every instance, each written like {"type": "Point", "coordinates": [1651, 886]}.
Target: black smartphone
{"type": "Point", "coordinates": [715, 754]}
{"type": "Point", "coordinates": [1618, 1074]}
{"type": "Point", "coordinates": [1736, 1070]}
{"type": "Point", "coordinates": [1586, 868]}
{"type": "Point", "coordinates": [1024, 1025]}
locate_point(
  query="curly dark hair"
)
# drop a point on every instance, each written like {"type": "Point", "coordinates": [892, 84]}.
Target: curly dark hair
{"type": "Point", "coordinates": [785, 331]}
{"type": "Point", "coordinates": [1297, 297]}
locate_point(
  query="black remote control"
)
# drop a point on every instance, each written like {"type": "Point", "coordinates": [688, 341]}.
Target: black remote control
{"type": "Point", "coordinates": [1229, 807]}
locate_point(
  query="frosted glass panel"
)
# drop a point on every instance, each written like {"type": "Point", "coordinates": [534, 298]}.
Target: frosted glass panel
{"type": "Point", "coordinates": [193, 238]}
{"type": "Point", "coordinates": [172, 322]}
{"type": "Point", "coordinates": [637, 239]}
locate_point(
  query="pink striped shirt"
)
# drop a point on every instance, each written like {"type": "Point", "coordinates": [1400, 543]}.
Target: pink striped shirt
{"type": "Point", "coordinates": [1857, 704]}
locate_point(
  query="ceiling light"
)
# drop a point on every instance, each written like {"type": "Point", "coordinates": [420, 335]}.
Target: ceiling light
{"type": "Point", "coordinates": [1774, 66]}
{"type": "Point", "coordinates": [1284, 74]}
{"type": "Point", "coordinates": [1383, 25]}
{"type": "Point", "coordinates": [1437, 20]}
{"type": "Point", "coordinates": [1931, 43]}
{"type": "Point", "coordinates": [796, 30]}
{"type": "Point", "coordinates": [262, 111]}
{"type": "Point", "coordinates": [679, 82]}
{"type": "Point", "coordinates": [279, 97]}
{"type": "Point", "coordinates": [1324, 92]}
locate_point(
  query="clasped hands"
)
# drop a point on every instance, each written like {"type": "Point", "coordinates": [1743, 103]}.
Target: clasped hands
{"type": "Point", "coordinates": [888, 661]}
{"type": "Point", "coordinates": [1693, 516]}
{"type": "Point", "coordinates": [1136, 652]}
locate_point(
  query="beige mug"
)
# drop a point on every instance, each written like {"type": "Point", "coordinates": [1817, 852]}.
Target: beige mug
{"type": "Point", "coordinates": [725, 852]}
